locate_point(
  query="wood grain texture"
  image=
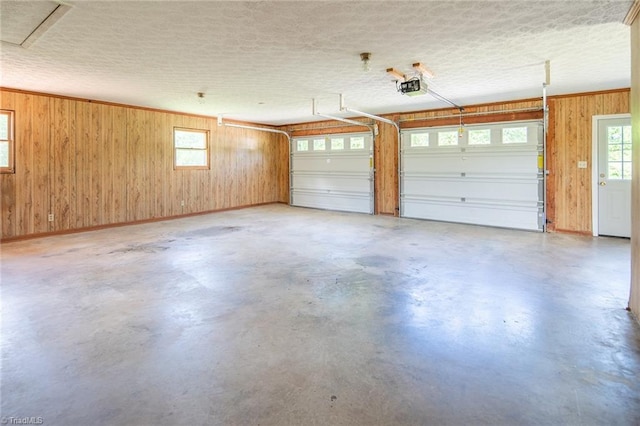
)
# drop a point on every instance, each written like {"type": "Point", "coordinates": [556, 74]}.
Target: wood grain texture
{"type": "Point", "coordinates": [93, 164]}
{"type": "Point", "coordinates": [569, 141]}
{"type": "Point", "coordinates": [386, 165]}
{"type": "Point", "coordinates": [39, 199]}
{"type": "Point", "coordinates": [634, 298]}
{"type": "Point", "coordinates": [8, 180]}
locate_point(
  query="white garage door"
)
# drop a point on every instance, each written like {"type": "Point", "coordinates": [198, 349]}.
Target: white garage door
{"type": "Point", "coordinates": [489, 174]}
{"type": "Point", "coordinates": [333, 172]}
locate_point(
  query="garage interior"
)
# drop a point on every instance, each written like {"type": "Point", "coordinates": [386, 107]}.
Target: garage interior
{"type": "Point", "coordinates": [320, 248]}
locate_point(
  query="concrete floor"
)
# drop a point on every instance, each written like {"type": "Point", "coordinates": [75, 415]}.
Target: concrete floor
{"type": "Point", "coordinates": [283, 316]}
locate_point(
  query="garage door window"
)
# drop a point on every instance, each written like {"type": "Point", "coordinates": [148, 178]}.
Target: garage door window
{"type": "Point", "coordinates": [514, 135]}
{"type": "Point", "coordinates": [337, 144]}
{"type": "Point", "coordinates": [302, 145]}
{"type": "Point", "coordinates": [480, 137]}
{"type": "Point", "coordinates": [419, 139]}
{"type": "Point", "coordinates": [356, 142]}
{"type": "Point", "coordinates": [319, 145]}
{"type": "Point", "coordinates": [448, 138]}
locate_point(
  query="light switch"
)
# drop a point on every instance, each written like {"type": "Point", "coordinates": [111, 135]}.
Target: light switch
{"type": "Point", "coordinates": [582, 164]}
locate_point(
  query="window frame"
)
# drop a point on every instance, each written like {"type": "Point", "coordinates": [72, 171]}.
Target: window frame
{"type": "Point", "coordinates": [10, 168]}
{"type": "Point", "coordinates": [176, 166]}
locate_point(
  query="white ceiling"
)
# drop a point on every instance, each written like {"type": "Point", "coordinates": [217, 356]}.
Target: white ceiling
{"type": "Point", "coordinates": [263, 61]}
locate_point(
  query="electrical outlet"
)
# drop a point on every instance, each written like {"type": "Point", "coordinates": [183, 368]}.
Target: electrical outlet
{"type": "Point", "coordinates": [50, 217]}
{"type": "Point", "coordinates": [582, 164]}
{"type": "Point", "coordinates": [182, 203]}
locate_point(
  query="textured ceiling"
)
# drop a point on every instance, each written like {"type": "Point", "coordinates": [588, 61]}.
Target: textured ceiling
{"type": "Point", "coordinates": [263, 61]}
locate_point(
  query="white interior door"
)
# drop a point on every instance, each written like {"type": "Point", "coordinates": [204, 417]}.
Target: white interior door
{"type": "Point", "coordinates": [333, 172]}
{"type": "Point", "coordinates": [614, 177]}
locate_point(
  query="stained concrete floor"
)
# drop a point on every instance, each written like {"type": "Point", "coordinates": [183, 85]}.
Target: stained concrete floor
{"type": "Point", "coordinates": [283, 316]}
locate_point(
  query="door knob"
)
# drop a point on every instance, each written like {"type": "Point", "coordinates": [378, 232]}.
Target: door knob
{"type": "Point", "coordinates": [603, 183]}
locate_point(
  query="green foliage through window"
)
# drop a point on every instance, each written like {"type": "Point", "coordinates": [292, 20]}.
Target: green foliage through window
{"type": "Point", "coordinates": [191, 148]}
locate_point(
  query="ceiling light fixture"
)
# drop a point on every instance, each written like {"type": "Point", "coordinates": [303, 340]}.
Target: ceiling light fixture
{"type": "Point", "coordinates": [423, 70]}
{"type": "Point", "coordinates": [365, 57]}
{"type": "Point", "coordinates": [201, 98]}
{"type": "Point", "coordinates": [397, 75]}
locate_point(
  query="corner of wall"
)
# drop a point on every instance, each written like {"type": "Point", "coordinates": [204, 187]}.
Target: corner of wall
{"type": "Point", "coordinates": [634, 298]}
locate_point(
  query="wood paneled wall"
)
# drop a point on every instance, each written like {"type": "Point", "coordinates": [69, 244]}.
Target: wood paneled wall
{"type": "Point", "coordinates": [634, 299]}
{"type": "Point", "coordinates": [93, 164]}
{"type": "Point", "coordinates": [569, 141]}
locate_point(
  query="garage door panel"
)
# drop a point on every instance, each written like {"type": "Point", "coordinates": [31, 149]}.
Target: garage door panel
{"type": "Point", "coordinates": [494, 189]}
{"type": "Point", "coordinates": [509, 216]}
{"type": "Point", "coordinates": [352, 183]}
{"type": "Point", "coordinates": [490, 180]}
{"type": "Point", "coordinates": [333, 200]}
{"type": "Point", "coordinates": [332, 164]}
{"type": "Point", "coordinates": [433, 164]}
{"type": "Point", "coordinates": [333, 172]}
{"type": "Point", "coordinates": [461, 162]}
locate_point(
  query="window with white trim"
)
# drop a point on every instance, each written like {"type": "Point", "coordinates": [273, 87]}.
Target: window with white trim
{"type": "Point", "coordinates": [191, 148]}
{"type": "Point", "coordinates": [7, 143]}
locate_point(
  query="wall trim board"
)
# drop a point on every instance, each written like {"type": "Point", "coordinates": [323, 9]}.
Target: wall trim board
{"type": "Point", "coordinates": [9, 240]}
{"type": "Point", "coordinates": [292, 127]}
{"type": "Point", "coordinates": [633, 13]}
{"type": "Point", "coordinates": [490, 117]}
{"type": "Point", "coordinates": [598, 92]}
{"type": "Point", "coordinates": [138, 107]}
{"type": "Point", "coordinates": [572, 232]}
{"type": "Point", "coordinates": [325, 131]}
{"type": "Point", "coordinates": [452, 110]}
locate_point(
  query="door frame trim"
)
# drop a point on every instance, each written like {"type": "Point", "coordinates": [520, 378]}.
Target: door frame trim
{"type": "Point", "coordinates": [595, 121]}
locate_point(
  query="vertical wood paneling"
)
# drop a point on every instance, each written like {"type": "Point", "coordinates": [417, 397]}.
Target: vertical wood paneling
{"type": "Point", "coordinates": [82, 161]}
{"type": "Point", "coordinates": [96, 144]}
{"type": "Point", "coordinates": [161, 184]}
{"type": "Point", "coordinates": [41, 175]}
{"type": "Point", "coordinates": [570, 141]}
{"type": "Point", "coordinates": [95, 164]}
{"type": "Point", "coordinates": [8, 213]}
{"type": "Point", "coordinates": [62, 160]}
{"type": "Point", "coordinates": [177, 176]}
{"type": "Point", "coordinates": [281, 159]}
{"type": "Point", "coordinates": [137, 158]}
{"type": "Point", "coordinates": [551, 160]}
{"type": "Point", "coordinates": [25, 168]}
{"type": "Point", "coordinates": [107, 164]}
{"type": "Point", "coordinates": [119, 143]}
{"type": "Point", "coordinates": [386, 165]}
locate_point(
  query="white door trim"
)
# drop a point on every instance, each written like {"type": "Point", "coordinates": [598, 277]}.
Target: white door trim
{"type": "Point", "coordinates": [595, 120]}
